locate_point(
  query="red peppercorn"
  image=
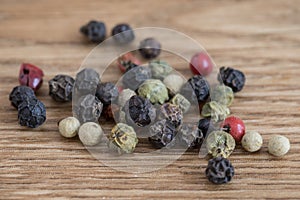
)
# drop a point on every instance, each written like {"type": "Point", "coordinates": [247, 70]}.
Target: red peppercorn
{"type": "Point", "coordinates": [31, 76]}
{"type": "Point", "coordinates": [201, 64]}
{"type": "Point", "coordinates": [125, 61]}
{"type": "Point", "coordinates": [235, 126]}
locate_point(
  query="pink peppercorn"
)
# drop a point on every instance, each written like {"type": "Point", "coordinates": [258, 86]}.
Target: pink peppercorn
{"type": "Point", "coordinates": [31, 76]}
{"type": "Point", "coordinates": [125, 61]}
{"type": "Point", "coordinates": [235, 126]}
{"type": "Point", "coordinates": [201, 64]}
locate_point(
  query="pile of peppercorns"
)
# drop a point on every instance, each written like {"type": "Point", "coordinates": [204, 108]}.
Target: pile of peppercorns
{"type": "Point", "coordinates": [151, 98]}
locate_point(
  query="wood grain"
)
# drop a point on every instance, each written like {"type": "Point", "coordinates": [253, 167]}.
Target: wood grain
{"type": "Point", "coordinates": [261, 38]}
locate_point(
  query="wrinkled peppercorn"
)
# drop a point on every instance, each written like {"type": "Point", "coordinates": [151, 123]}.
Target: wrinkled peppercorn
{"type": "Point", "coordinates": [20, 94]}
{"type": "Point", "coordinates": [162, 133]}
{"type": "Point", "coordinates": [149, 48]}
{"type": "Point", "coordinates": [95, 31]}
{"type": "Point", "coordinates": [222, 94]}
{"type": "Point", "coordinates": [181, 102]}
{"type": "Point", "coordinates": [190, 136]}
{"type": "Point", "coordinates": [128, 61]}
{"type": "Point", "coordinates": [61, 87]}
{"type": "Point", "coordinates": [122, 33]}
{"type": "Point", "coordinates": [219, 170]}
{"type": "Point", "coordinates": [203, 126]}
{"type": "Point", "coordinates": [122, 139]}
{"type": "Point", "coordinates": [220, 143]}
{"type": "Point", "coordinates": [107, 93]}
{"type": "Point", "coordinates": [141, 111]}
{"type": "Point", "coordinates": [86, 81]}
{"type": "Point", "coordinates": [88, 108]}
{"type": "Point", "coordinates": [31, 76]}
{"type": "Point", "coordinates": [154, 90]}
{"type": "Point", "coordinates": [133, 78]}
{"type": "Point", "coordinates": [171, 113]}
{"type": "Point", "coordinates": [232, 78]}
{"type": "Point", "coordinates": [160, 69]}
{"type": "Point", "coordinates": [31, 113]}
{"type": "Point", "coordinates": [216, 111]}
{"type": "Point", "coordinates": [196, 87]}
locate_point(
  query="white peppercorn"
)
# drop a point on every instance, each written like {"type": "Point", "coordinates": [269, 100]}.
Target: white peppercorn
{"type": "Point", "coordinates": [278, 145]}
{"type": "Point", "coordinates": [174, 83]}
{"type": "Point", "coordinates": [90, 133]}
{"type": "Point", "coordinates": [252, 141]}
{"type": "Point", "coordinates": [68, 127]}
{"type": "Point", "coordinates": [124, 96]}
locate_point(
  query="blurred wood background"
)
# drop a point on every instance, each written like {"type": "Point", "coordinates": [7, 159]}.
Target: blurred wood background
{"type": "Point", "coordinates": [261, 38]}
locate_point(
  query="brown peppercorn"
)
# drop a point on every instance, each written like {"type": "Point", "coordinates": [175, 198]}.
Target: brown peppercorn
{"type": "Point", "coordinates": [171, 113]}
{"type": "Point", "coordinates": [61, 87]}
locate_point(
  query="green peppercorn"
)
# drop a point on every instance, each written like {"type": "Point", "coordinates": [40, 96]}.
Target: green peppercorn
{"type": "Point", "coordinates": [223, 95]}
{"type": "Point", "coordinates": [174, 83]}
{"type": "Point", "coordinates": [160, 69]}
{"type": "Point", "coordinates": [90, 133]}
{"type": "Point", "coordinates": [216, 111]}
{"type": "Point", "coordinates": [154, 90]}
{"type": "Point", "coordinates": [68, 127]}
{"type": "Point", "coordinates": [122, 139]}
{"type": "Point", "coordinates": [220, 143]}
{"type": "Point", "coordinates": [181, 102]}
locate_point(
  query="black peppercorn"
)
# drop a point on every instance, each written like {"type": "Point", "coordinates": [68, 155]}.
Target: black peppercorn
{"type": "Point", "coordinates": [190, 136]}
{"type": "Point", "coordinates": [150, 48]}
{"type": "Point", "coordinates": [61, 87]}
{"type": "Point", "coordinates": [219, 170]}
{"type": "Point", "coordinates": [31, 113]}
{"type": "Point", "coordinates": [20, 94]}
{"type": "Point", "coordinates": [232, 78]}
{"type": "Point", "coordinates": [87, 81]}
{"type": "Point", "coordinates": [140, 110]}
{"type": "Point", "coordinates": [196, 87]}
{"type": "Point", "coordinates": [95, 31]}
{"type": "Point", "coordinates": [203, 126]}
{"type": "Point", "coordinates": [133, 78]}
{"type": "Point", "coordinates": [171, 113]}
{"type": "Point", "coordinates": [107, 93]}
{"type": "Point", "coordinates": [162, 133]}
{"type": "Point", "coordinates": [122, 33]}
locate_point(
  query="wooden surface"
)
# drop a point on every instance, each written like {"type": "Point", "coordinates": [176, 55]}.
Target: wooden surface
{"type": "Point", "coordinates": [261, 38]}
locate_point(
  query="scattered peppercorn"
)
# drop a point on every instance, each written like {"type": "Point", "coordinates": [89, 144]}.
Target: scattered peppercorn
{"type": "Point", "coordinates": [174, 83]}
{"type": "Point", "coordinates": [31, 113]}
{"type": "Point", "coordinates": [128, 61]}
{"type": "Point", "coordinates": [133, 78]}
{"type": "Point", "coordinates": [278, 145]}
{"type": "Point", "coordinates": [203, 126]}
{"type": "Point", "coordinates": [196, 87]}
{"type": "Point", "coordinates": [235, 127]}
{"type": "Point", "coordinates": [122, 138]}
{"type": "Point", "coordinates": [160, 69]}
{"type": "Point", "coordinates": [95, 31]}
{"type": "Point", "coordinates": [88, 108]}
{"type": "Point", "coordinates": [68, 127]}
{"type": "Point", "coordinates": [232, 78]}
{"type": "Point", "coordinates": [222, 94]}
{"type": "Point", "coordinates": [190, 136]}
{"type": "Point", "coordinates": [171, 113]}
{"type": "Point", "coordinates": [219, 170]}
{"type": "Point", "coordinates": [216, 111]}
{"type": "Point", "coordinates": [252, 141]}
{"type": "Point", "coordinates": [31, 76]}
{"type": "Point", "coordinates": [201, 64]}
{"type": "Point", "coordinates": [154, 90]}
{"type": "Point", "coordinates": [162, 133]}
{"type": "Point", "coordinates": [141, 111]}
{"type": "Point", "coordinates": [149, 48]}
{"type": "Point", "coordinates": [122, 34]}
{"type": "Point", "coordinates": [90, 133]}
{"type": "Point", "coordinates": [181, 102]}
{"type": "Point", "coordinates": [124, 96]}
{"type": "Point", "coordinates": [86, 81]}
{"type": "Point", "coordinates": [20, 94]}
{"type": "Point", "coordinates": [61, 87]}
{"type": "Point", "coordinates": [220, 143]}
{"type": "Point", "coordinates": [107, 93]}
